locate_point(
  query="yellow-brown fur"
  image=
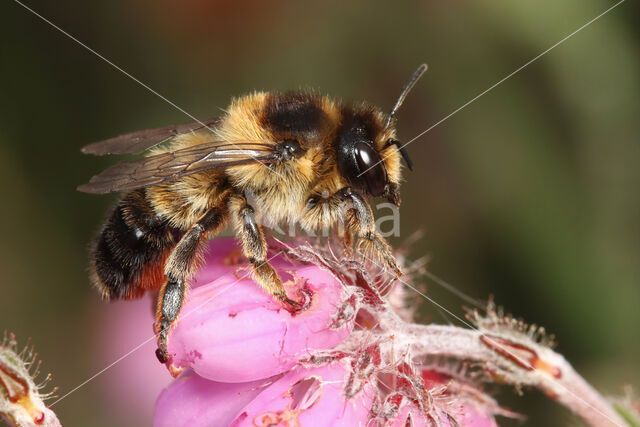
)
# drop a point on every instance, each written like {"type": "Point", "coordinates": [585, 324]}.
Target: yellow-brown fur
{"type": "Point", "coordinates": [282, 190]}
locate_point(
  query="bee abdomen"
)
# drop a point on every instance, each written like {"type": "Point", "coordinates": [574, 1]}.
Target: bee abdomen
{"type": "Point", "coordinates": [129, 254]}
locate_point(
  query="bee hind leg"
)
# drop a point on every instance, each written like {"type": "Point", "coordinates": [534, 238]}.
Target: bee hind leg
{"type": "Point", "coordinates": [169, 304]}
{"type": "Point", "coordinates": [180, 264]}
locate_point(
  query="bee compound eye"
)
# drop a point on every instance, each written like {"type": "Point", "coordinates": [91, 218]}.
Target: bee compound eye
{"type": "Point", "coordinates": [371, 170]}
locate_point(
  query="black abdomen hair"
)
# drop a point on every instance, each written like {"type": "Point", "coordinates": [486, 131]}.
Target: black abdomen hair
{"type": "Point", "coordinates": [128, 255]}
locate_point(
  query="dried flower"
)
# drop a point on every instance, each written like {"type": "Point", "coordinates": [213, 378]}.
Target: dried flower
{"type": "Point", "coordinates": [21, 401]}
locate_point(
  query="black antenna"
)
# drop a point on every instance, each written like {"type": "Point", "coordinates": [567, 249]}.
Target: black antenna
{"type": "Point", "coordinates": [405, 91]}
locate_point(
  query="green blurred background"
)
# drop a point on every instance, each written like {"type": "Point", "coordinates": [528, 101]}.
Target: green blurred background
{"type": "Point", "coordinates": [529, 193]}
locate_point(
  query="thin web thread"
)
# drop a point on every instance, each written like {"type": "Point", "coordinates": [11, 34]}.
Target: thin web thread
{"type": "Point", "coordinates": [497, 344]}
{"type": "Point", "coordinates": [121, 358]}
{"type": "Point", "coordinates": [129, 75]}
{"type": "Point", "coordinates": [500, 82]}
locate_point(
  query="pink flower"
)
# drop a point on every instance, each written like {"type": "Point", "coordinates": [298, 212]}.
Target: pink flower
{"type": "Point", "coordinates": [249, 361]}
{"type": "Point", "coordinates": [350, 357]}
{"type": "Point", "coordinates": [230, 330]}
{"type": "Point", "coordinates": [308, 396]}
{"type": "Point", "coordinates": [194, 401]}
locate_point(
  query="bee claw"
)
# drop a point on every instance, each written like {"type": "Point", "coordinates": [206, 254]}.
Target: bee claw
{"type": "Point", "coordinates": [162, 356]}
{"type": "Point", "coordinates": [294, 306]}
{"type": "Point", "coordinates": [162, 353]}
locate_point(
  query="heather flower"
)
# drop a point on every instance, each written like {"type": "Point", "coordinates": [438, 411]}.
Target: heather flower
{"type": "Point", "coordinates": [21, 399]}
{"type": "Point", "coordinates": [233, 331]}
{"type": "Point", "coordinates": [351, 356]}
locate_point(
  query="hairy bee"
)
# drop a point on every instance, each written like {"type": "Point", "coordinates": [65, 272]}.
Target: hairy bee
{"type": "Point", "coordinates": [300, 155]}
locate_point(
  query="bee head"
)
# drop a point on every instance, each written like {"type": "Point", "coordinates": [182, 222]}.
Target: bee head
{"type": "Point", "coordinates": [368, 154]}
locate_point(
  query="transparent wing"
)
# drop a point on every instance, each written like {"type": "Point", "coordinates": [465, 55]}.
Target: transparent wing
{"type": "Point", "coordinates": [159, 168]}
{"type": "Point", "coordinates": [136, 142]}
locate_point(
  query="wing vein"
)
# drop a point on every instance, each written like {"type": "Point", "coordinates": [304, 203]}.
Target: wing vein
{"type": "Point", "coordinates": [163, 167]}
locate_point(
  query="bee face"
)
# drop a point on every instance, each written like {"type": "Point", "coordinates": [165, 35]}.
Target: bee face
{"type": "Point", "coordinates": [365, 156]}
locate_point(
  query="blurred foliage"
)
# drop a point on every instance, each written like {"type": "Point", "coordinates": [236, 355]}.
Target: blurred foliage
{"type": "Point", "coordinates": [529, 193]}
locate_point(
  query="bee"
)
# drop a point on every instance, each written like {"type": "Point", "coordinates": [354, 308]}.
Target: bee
{"type": "Point", "coordinates": [301, 156]}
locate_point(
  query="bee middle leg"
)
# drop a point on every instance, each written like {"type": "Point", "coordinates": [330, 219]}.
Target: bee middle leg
{"type": "Point", "coordinates": [180, 264]}
{"type": "Point", "coordinates": [254, 247]}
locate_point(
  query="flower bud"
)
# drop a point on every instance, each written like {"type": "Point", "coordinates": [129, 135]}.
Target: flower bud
{"type": "Point", "coordinates": [20, 400]}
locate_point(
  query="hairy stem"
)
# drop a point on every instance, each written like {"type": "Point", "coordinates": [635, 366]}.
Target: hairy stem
{"type": "Point", "coordinates": [513, 360]}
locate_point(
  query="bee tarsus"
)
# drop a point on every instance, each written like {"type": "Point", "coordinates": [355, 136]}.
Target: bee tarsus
{"type": "Point", "coordinates": [179, 266]}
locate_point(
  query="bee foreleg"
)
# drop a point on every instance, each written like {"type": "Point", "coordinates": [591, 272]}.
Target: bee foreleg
{"type": "Point", "coordinates": [179, 266]}
{"type": "Point", "coordinates": [254, 247]}
{"type": "Point", "coordinates": [361, 222]}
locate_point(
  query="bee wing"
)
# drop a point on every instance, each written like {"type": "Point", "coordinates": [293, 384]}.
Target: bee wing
{"type": "Point", "coordinates": [159, 168]}
{"type": "Point", "coordinates": [136, 142]}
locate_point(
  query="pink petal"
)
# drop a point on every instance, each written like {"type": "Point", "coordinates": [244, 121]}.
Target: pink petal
{"type": "Point", "coordinates": [309, 397]}
{"type": "Point", "coordinates": [193, 401]}
{"type": "Point", "coordinates": [230, 330]}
